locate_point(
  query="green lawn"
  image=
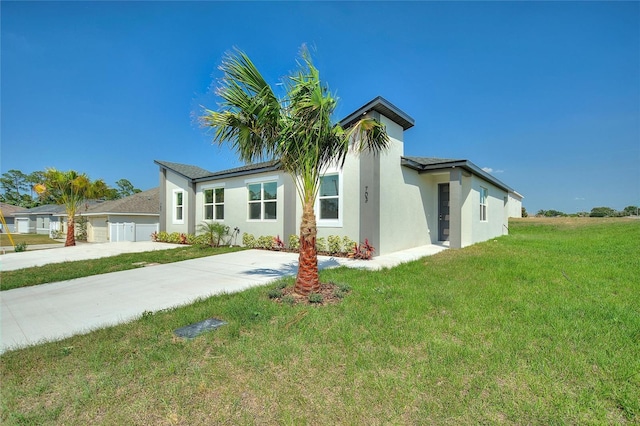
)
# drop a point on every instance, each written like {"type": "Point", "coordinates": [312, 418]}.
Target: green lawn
{"type": "Point", "coordinates": [29, 239]}
{"type": "Point", "coordinates": [539, 327]}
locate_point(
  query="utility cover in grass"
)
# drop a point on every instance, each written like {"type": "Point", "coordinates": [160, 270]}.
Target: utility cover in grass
{"type": "Point", "coordinates": [194, 330]}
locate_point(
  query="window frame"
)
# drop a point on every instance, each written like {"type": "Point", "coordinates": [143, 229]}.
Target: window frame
{"type": "Point", "coordinates": [484, 198]}
{"type": "Point", "coordinates": [214, 204]}
{"type": "Point", "coordinates": [262, 181]}
{"type": "Point", "coordinates": [175, 206]}
{"type": "Point", "coordinates": [331, 223]}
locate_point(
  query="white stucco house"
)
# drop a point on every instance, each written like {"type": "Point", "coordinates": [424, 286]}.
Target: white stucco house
{"type": "Point", "coordinates": [395, 201]}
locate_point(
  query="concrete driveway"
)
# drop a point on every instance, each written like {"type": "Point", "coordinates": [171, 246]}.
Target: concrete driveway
{"type": "Point", "coordinates": [32, 315]}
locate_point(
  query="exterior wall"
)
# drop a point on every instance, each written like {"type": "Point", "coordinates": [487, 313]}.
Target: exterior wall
{"type": "Point", "coordinates": [172, 183]}
{"type": "Point", "coordinates": [495, 224]}
{"type": "Point", "coordinates": [236, 204]}
{"type": "Point", "coordinates": [514, 205]}
{"type": "Point", "coordinates": [351, 196]}
{"type": "Point", "coordinates": [403, 223]}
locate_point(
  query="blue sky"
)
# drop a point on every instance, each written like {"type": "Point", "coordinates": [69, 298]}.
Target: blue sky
{"type": "Point", "coordinates": [544, 94]}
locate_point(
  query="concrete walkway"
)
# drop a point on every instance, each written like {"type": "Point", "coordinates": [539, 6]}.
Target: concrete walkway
{"type": "Point", "coordinates": [32, 315]}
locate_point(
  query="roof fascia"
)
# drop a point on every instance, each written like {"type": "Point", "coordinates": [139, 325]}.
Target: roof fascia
{"type": "Point", "coordinates": [382, 106]}
{"type": "Point", "coordinates": [464, 164]}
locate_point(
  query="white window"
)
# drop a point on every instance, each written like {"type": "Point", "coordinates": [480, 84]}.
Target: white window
{"type": "Point", "coordinates": [484, 195]}
{"type": "Point", "coordinates": [214, 203]}
{"type": "Point", "coordinates": [329, 205]}
{"type": "Point", "coordinates": [178, 206]}
{"type": "Point", "coordinates": [262, 199]}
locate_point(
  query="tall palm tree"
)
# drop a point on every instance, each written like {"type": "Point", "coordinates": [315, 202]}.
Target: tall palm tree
{"type": "Point", "coordinates": [70, 189]}
{"type": "Point", "coordinates": [297, 130]}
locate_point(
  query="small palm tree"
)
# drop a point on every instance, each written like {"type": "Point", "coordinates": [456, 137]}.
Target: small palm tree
{"type": "Point", "coordinates": [70, 189]}
{"type": "Point", "coordinates": [296, 130]}
{"type": "Point", "coordinates": [214, 231]}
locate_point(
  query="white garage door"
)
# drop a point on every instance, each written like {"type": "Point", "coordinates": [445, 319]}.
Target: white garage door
{"type": "Point", "coordinates": [22, 225]}
{"type": "Point", "coordinates": [131, 231]}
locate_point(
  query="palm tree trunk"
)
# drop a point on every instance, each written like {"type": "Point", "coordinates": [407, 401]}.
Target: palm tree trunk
{"type": "Point", "coordinates": [71, 232]}
{"type": "Point", "coordinates": [307, 280]}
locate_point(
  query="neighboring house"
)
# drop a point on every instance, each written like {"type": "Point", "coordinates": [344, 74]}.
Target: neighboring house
{"type": "Point", "coordinates": [133, 218]}
{"type": "Point", "coordinates": [39, 220]}
{"type": "Point", "coordinates": [395, 202]}
{"type": "Point", "coordinates": [8, 211]}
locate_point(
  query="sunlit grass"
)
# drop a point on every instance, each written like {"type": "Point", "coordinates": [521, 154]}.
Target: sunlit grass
{"type": "Point", "coordinates": [29, 239]}
{"type": "Point", "coordinates": [540, 327]}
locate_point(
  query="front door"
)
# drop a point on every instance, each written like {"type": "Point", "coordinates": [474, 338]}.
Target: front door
{"type": "Point", "coordinates": [443, 212]}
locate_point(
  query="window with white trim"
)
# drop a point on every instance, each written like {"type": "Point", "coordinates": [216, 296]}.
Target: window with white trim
{"type": "Point", "coordinates": [484, 195]}
{"type": "Point", "coordinates": [214, 203]}
{"type": "Point", "coordinates": [263, 200]}
{"type": "Point", "coordinates": [329, 197]}
{"type": "Point", "coordinates": [178, 206]}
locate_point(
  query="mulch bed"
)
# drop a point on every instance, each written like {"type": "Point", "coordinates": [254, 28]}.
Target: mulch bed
{"type": "Point", "coordinates": [329, 292]}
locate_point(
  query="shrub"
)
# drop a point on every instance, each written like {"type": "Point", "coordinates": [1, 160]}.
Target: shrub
{"type": "Point", "coordinates": [321, 244]}
{"type": "Point", "coordinates": [347, 244]}
{"type": "Point", "coordinates": [294, 242]}
{"type": "Point", "coordinates": [315, 298]}
{"type": "Point", "coordinates": [20, 247]}
{"type": "Point", "coordinates": [288, 300]}
{"type": "Point", "coordinates": [334, 244]}
{"type": "Point", "coordinates": [214, 232]}
{"type": "Point", "coordinates": [277, 243]}
{"type": "Point", "coordinates": [363, 251]}
{"type": "Point", "coordinates": [275, 293]}
{"type": "Point", "coordinates": [265, 242]}
{"type": "Point", "coordinates": [248, 240]}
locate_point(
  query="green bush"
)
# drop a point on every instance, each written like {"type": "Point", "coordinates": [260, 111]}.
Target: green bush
{"type": "Point", "coordinates": [294, 242]}
{"type": "Point", "coordinates": [265, 242]}
{"type": "Point", "coordinates": [248, 240]}
{"type": "Point", "coordinates": [315, 298]}
{"type": "Point", "coordinates": [321, 244]}
{"type": "Point", "coordinates": [347, 244]}
{"type": "Point", "coordinates": [214, 233]}
{"type": "Point", "coordinates": [20, 247]}
{"type": "Point", "coordinates": [334, 244]}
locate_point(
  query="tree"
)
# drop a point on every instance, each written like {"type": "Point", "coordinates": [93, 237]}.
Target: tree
{"type": "Point", "coordinates": [13, 184]}
{"type": "Point", "coordinates": [70, 189]}
{"type": "Point", "coordinates": [602, 212]}
{"type": "Point", "coordinates": [631, 211]}
{"type": "Point", "coordinates": [296, 130]}
{"type": "Point", "coordinates": [126, 188]}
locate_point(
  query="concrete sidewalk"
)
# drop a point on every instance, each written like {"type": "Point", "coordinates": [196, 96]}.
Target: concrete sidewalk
{"type": "Point", "coordinates": [32, 315]}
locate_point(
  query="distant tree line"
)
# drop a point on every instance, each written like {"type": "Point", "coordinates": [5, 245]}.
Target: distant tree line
{"type": "Point", "coordinates": [18, 189]}
{"type": "Point", "coordinates": [595, 212]}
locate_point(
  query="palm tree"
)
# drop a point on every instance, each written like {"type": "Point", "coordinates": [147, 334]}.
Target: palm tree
{"type": "Point", "coordinates": [70, 189]}
{"type": "Point", "coordinates": [296, 130]}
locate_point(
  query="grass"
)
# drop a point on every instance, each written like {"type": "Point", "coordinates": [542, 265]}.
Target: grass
{"type": "Point", "coordinates": [30, 239]}
{"type": "Point", "coordinates": [539, 327]}
{"type": "Point", "coordinates": [83, 268]}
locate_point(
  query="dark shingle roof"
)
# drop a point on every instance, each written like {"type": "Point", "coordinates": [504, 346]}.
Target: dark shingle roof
{"type": "Point", "coordinates": [196, 173]}
{"type": "Point", "coordinates": [10, 209]}
{"type": "Point", "coordinates": [44, 209]}
{"type": "Point", "coordinates": [186, 170]}
{"type": "Point", "coordinates": [142, 202]}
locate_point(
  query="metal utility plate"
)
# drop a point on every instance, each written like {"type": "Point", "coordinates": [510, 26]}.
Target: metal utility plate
{"type": "Point", "coordinates": [194, 330]}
